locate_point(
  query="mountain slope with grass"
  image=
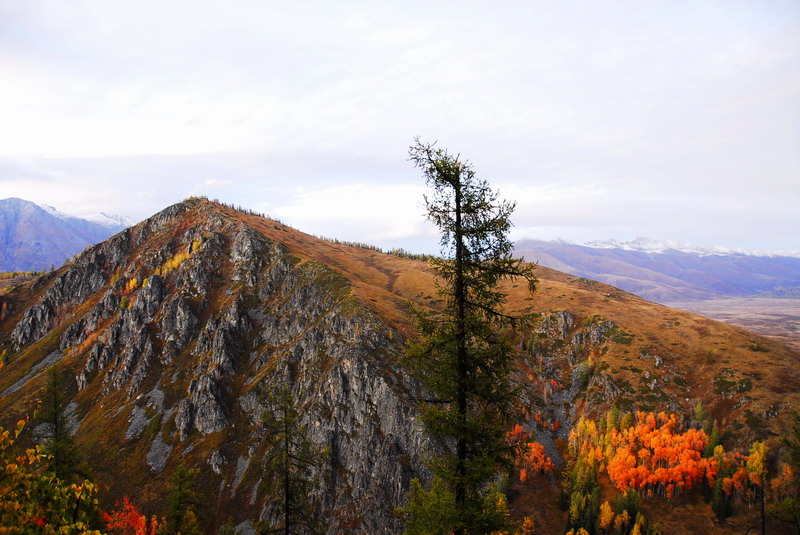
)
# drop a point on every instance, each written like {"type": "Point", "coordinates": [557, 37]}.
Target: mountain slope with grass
{"type": "Point", "coordinates": [171, 335]}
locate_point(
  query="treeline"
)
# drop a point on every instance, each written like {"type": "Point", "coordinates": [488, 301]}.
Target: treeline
{"type": "Point", "coordinates": [360, 245]}
{"type": "Point", "coordinates": [236, 207]}
{"type": "Point", "coordinates": [395, 252]}
{"type": "Point", "coordinates": [6, 275]}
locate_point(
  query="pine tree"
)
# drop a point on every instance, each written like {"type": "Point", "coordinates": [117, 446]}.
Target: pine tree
{"type": "Point", "coordinates": [65, 459]}
{"type": "Point", "coordinates": [181, 503]}
{"type": "Point", "coordinates": [292, 466]}
{"type": "Point", "coordinates": [463, 356]}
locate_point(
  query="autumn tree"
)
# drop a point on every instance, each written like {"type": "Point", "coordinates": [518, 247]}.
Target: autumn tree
{"type": "Point", "coordinates": [757, 470]}
{"type": "Point", "coordinates": [292, 467]}
{"type": "Point", "coordinates": [605, 520]}
{"type": "Point", "coordinates": [786, 485]}
{"type": "Point", "coordinates": [581, 487]}
{"type": "Point", "coordinates": [33, 498]}
{"type": "Point", "coordinates": [127, 520]}
{"type": "Point", "coordinates": [463, 356]}
{"type": "Point", "coordinates": [531, 455]}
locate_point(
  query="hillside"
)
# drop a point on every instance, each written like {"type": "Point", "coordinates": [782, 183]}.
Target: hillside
{"type": "Point", "coordinates": [32, 238]}
{"type": "Point", "coordinates": [169, 334]}
{"type": "Point", "coordinates": [667, 272]}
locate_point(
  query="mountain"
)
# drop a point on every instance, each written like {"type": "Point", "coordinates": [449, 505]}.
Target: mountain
{"type": "Point", "coordinates": [170, 335]}
{"type": "Point", "coordinates": [34, 237]}
{"type": "Point", "coordinates": [113, 221]}
{"type": "Point", "coordinates": [668, 271]}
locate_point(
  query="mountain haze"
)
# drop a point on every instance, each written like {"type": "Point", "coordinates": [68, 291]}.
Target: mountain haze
{"type": "Point", "coordinates": [170, 333]}
{"type": "Point", "coordinates": [35, 238]}
{"type": "Point", "coordinates": [666, 272]}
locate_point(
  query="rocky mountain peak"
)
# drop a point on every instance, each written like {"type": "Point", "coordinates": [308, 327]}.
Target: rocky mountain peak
{"type": "Point", "coordinates": [184, 321]}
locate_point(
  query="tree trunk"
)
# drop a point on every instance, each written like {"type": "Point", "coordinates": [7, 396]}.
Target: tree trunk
{"type": "Point", "coordinates": [461, 360]}
{"type": "Point", "coordinates": [763, 500]}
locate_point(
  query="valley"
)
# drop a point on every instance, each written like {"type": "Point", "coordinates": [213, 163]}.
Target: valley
{"type": "Point", "coordinates": [778, 318]}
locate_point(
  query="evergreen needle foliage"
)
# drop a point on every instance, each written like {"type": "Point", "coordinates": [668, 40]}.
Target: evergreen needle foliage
{"type": "Point", "coordinates": [64, 457]}
{"type": "Point", "coordinates": [182, 501]}
{"type": "Point", "coordinates": [292, 466]}
{"type": "Point", "coordinates": [464, 356]}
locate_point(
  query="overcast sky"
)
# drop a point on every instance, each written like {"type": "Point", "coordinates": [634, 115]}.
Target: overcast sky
{"type": "Point", "coordinates": [602, 119]}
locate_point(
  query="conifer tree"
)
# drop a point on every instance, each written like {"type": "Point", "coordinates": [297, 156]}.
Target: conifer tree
{"type": "Point", "coordinates": [463, 356]}
{"type": "Point", "coordinates": [181, 503]}
{"type": "Point", "coordinates": [63, 453]}
{"type": "Point", "coordinates": [292, 467]}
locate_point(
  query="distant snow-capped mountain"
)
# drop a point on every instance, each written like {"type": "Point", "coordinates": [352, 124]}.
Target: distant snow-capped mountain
{"type": "Point", "coordinates": [668, 270]}
{"type": "Point", "coordinates": [34, 237]}
{"type": "Point", "coordinates": [112, 221]}
{"type": "Point", "coordinates": [648, 245]}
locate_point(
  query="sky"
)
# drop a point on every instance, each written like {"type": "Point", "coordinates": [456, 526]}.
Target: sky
{"type": "Point", "coordinates": [669, 119]}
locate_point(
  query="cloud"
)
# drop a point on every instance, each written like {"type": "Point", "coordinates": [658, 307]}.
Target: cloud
{"type": "Point", "coordinates": [371, 213]}
{"type": "Point", "coordinates": [210, 185]}
{"type": "Point", "coordinates": [600, 117]}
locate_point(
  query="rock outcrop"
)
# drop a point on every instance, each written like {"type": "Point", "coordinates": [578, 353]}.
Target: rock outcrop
{"type": "Point", "coordinates": [219, 316]}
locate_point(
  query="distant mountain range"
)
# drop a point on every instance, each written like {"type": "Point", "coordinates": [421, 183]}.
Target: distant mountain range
{"type": "Point", "coordinates": [34, 237]}
{"type": "Point", "coordinates": [666, 271]}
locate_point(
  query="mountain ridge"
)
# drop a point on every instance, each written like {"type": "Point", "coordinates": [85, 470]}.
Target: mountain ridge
{"type": "Point", "coordinates": [168, 368]}
{"type": "Point", "coordinates": [649, 245]}
{"type": "Point", "coordinates": [663, 275]}
{"type": "Point", "coordinates": [101, 218]}
{"type": "Point", "coordinates": [36, 238]}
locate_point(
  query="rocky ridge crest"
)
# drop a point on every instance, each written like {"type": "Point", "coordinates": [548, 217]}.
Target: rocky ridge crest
{"type": "Point", "coordinates": [189, 318]}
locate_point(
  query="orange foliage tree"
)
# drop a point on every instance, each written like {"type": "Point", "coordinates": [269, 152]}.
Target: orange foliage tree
{"type": "Point", "coordinates": [530, 454]}
{"type": "Point", "coordinates": [653, 455]}
{"type": "Point", "coordinates": [127, 520]}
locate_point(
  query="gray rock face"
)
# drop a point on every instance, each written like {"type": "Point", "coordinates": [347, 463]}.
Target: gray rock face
{"type": "Point", "coordinates": [178, 323]}
{"type": "Point", "coordinates": [159, 454]}
{"type": "Point", "coordinates": [37, 368]}
{"type": "Point", "coordinates": [36, 323]}
{"type": "Point", "coordinates": [219, 315]}
{"type": "Point", "coordinates": [216, 461]}
{"type": "Point", "coordinates": [557, 324]}
{"type": "Point", "coordinates": [563, 350]}
{"type": "Point", "coordinates": [593, 334]}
